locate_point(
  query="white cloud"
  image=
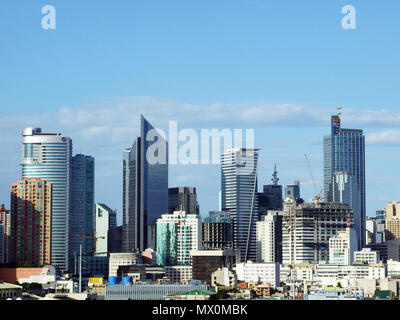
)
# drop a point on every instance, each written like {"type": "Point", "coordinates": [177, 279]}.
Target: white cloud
{"type": "Point", "coordinates": [104, 130]}
{"type": "Point", "coordinates": [387, 137]}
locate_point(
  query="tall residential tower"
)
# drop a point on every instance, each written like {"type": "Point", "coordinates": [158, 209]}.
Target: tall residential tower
{"type": "Point", "coordinates": [239, 197]}
{"type": "Point", "coordinates": [48, 156]}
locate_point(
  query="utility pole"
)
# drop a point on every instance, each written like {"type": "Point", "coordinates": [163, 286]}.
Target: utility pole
{"type": "Point", "coordinates": [80, 268]}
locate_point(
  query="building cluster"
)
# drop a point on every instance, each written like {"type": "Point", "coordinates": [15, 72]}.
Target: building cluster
{"type": "Point", "coordinates": [268, 243]}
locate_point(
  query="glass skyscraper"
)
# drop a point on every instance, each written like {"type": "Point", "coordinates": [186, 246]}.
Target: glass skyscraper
{"type": "Point", "coordinates": [81, 220]}
{"type": "Point", "coordinates": [177, 234]}
{"type": "Point", "coordinates": [344, 150]}
{"type": "Point", "coordinates": [145, 189]}
{"type": "Point", "coordinates": [48, 156]}
{"type": "Point", "coordinates": [239, 197]}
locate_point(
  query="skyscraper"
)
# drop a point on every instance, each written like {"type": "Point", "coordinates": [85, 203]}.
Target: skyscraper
{"type": "Point", "coordinates": [307, 228]}
{"type": "Point", "coordinates": [392, 220]}
{"type": "Point", "coordinates": [48, 156]}
{"type": "Point", "coordinates": [343, 188]}
{"type": "Point", "coordinates": [177, 234]}
{"type": "Point", "coordinates": [269, 237]}
{"type": "Point", "coordinates": [292, 191]}
{"type": "Point", "coordinates": [145, 188]}
{"type": "Point", "coordinates": [344, 150]}
{"type": "Point", "coordinates": [217, 231]}
{"type": "Point", "coordinates": [183, 199]}
{"type": "Point", "coordinates": [31, 211]}
{"type": "Point", "coordinates": [238, 196]}
{"type": "Point", "coordinates": [5, 226]}
{"type": "Point", "coordinates": [271, 197]}
{"type": "Point", "coordinates": [105, 223]}
{"type": "Point", "coordinates": [81, 220]}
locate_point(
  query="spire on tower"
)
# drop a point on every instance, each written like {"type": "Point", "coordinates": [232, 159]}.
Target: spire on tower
{"type": "Point", "coordinates": [275, 178]}
{"type": "Point", "coordinates": [339, 109]}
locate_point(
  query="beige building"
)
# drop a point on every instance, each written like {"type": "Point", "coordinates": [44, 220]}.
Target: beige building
{"type": "Point", "coordinates": [122, 259]}
{"type": "Point", "coordinates": [223, 277]}
{"type": "Point", "coordinates": [392, 220]}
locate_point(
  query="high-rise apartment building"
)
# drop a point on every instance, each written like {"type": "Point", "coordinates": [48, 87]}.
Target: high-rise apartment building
{"type": "Point", "coordinates": [183, 199]}
{"type": "Point", "coordinates": [269, 237]}
{"type": "Point", "coordinates": [5, 226]}
{"type": "Point", "coordinates": [392, 220]}
{"type": "Point", "coordinates": [342, 247]}
{"type": "Point", "coordinates": [307, 228]}
{"type": "Point", "coordinates": [217, 231]}
{"type": "Point", "coordinates": [344, 151]}
{"type": "Point", "coordinates": [177, 234]}
{"type": "Point", "coordinates": [48, 156]}
{"type": "Point", "coordinates": [239, 197]}
{"type": "Point", "coordinates": [105, 221]}
{"type": "Point", "coordinates": [81, 219]}
{"type": "Point", "coordinates": [145, 188]}
{"type": "Point", "coordinates": [31, 212]}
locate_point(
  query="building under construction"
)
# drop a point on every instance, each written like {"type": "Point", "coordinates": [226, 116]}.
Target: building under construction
{"type": "Point", "coordinates": [307, 227]}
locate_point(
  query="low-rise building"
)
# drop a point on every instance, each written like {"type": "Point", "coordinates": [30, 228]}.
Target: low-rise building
{"type": "Point", "coordinates": [9, 291]}
{"type": "Point", "coordinates": [149, 291]}
{"type": "Point", "coordinates": [393, 269]}
{"type": "Point", "coordinates": [178, 274]}
{"type": "Point", "coordinates": [255, 272]}
{"type": "Point", "coordinates": [366, 256]}
{"type": "Point", "coordinates": [122, 259]}
{"type": "Point", "coordinates": [223, 277]}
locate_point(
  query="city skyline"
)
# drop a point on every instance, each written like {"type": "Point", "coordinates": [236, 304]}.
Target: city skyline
{"type": "Point", "coordinates": [249, 64]}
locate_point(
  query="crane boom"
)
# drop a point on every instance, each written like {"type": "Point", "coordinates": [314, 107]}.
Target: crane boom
{"type": "Point", "coordinates": [312, 178]}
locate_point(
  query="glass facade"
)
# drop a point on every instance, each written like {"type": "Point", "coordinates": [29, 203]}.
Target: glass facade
{"type": "Point", "coordinates": [49, 157]}
{"type": "Point", "coordinates": [145, 189]}
{"type": "Point", "coordinates": [344, 150]}
{"type": "Point", "coordinates": [82, 206]}
{"type": "Point", "coordinates": [177, 235]}
{"type": "Point", "coordinates": [238, 196]}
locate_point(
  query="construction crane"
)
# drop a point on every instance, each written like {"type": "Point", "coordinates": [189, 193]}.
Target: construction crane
{"type": "Point", "coordinates": [317, 195]}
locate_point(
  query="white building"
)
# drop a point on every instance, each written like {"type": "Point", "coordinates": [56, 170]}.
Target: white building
{"type": "Point", "coordinates": [339, 272]}
{"type": "Point", "coordinates": [266, 236]}
{"type": "Point", "coordinates": [238, 188]}
{"type": "Point", "coordinates": [342, 247]}
{"type": "Point", "coordinates": [177, 234]}
{"type": "Point", "coordinates": [254, 272]}
{"type": "Point", "coordinates": [48, 156]}
{"type": "Point", "coordinates": [393, 269]}
{"type": "Point", "coordinates": [122, 259]}
{"type": "Point", "coordinates": [178, 273]}
{"type": "Point", "coordinates": [303, 271]}
{"type": "Point", "coordinates": [105, 219]}
{"type": "Point", "coordinates": [366, 256]}
{"type": "Point", "coordinates": [48, 274]}
{"type": "Point", "coordinates": [223, 277]}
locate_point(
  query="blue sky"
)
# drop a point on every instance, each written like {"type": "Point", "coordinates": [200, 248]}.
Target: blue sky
{"type": "Point", "coordinates": [108, 61]}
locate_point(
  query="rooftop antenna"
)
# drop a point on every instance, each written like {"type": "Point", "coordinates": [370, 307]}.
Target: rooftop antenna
{"type": "Point", "coordinates": [275, 178]}
{"type": "Point", "coordinates": [339, 109]}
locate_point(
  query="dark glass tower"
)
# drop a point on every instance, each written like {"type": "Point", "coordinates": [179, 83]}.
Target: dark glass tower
{"type": "Point", "coordinates": [344, 150]}
{"type": "Point", "coordinates": [145, 188]}
{"type": "Point", "coordinates": [183, 199]}
{"type": "Point", "coordinates": [81, 220]}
